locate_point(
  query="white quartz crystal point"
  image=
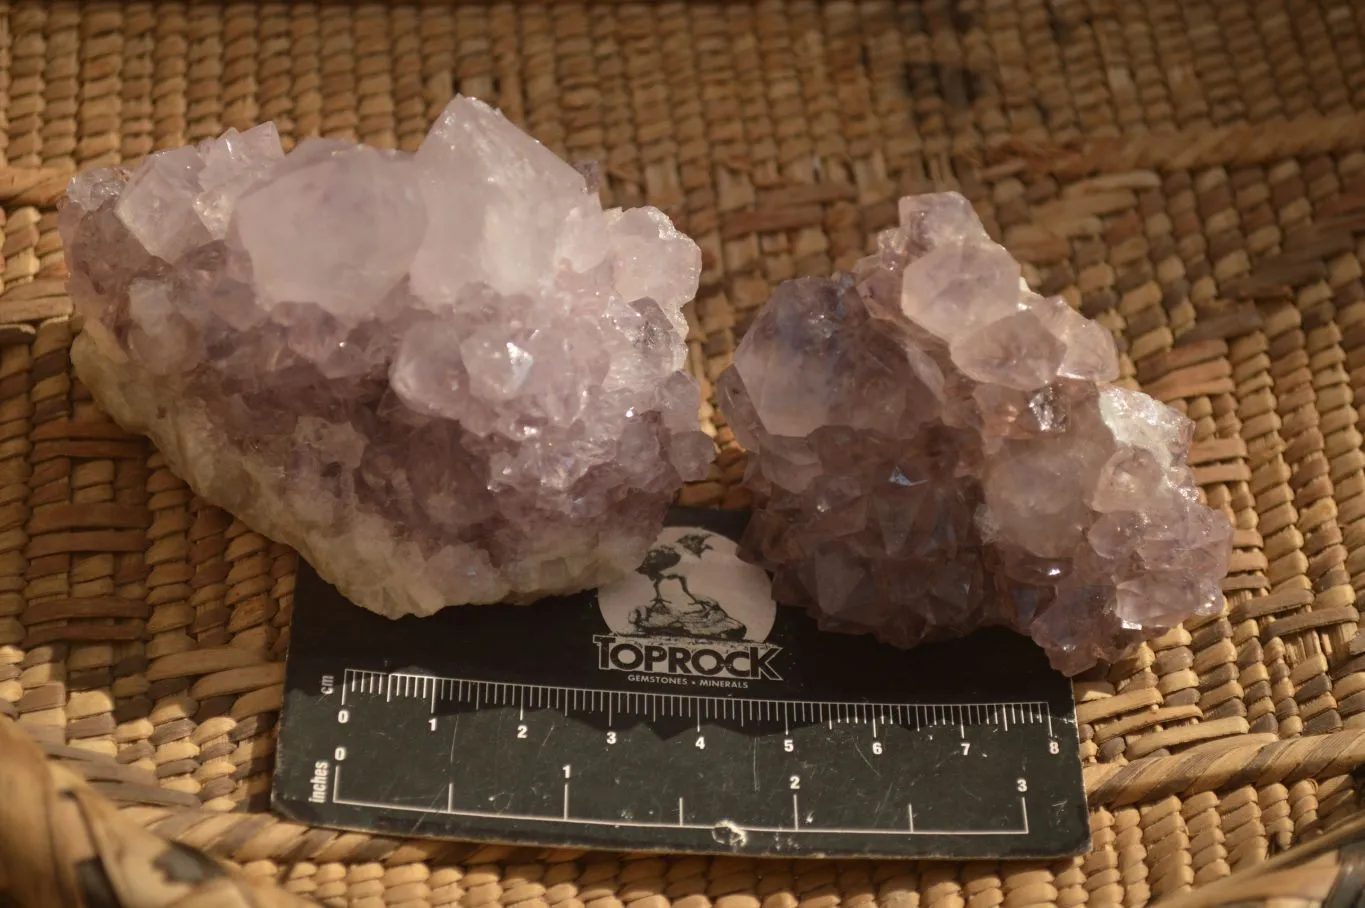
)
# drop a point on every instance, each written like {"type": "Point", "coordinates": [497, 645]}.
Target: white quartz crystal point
{"type": "Point", "coordinates": [636, 238]}
{"type": "Point", "coordinates": [158, 206]}
{"type": "Point", "coordinates": [349, 260]}
{"type": "Point", "coordinates": [1090, 354]}
{"type": "Point", "coordinates": [444, 377]}
{"type": "Point", "coordinates": [231, 165]}
{"type": "Point", "coordinates": [956, 280]}
{"type": "Point", "coordinates": [500, 222]}
{"type": "Point", "coordinates": [960, 286]}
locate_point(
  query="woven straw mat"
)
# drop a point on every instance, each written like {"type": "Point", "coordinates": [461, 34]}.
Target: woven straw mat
{"type": "Point", "coordinates": [1191, 174]}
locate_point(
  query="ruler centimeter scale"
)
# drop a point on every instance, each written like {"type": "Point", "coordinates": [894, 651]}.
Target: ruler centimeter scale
{"type": "Point", "coordinates": [618, 702]}
{"type": "Point", "coordinates": [559, 725]}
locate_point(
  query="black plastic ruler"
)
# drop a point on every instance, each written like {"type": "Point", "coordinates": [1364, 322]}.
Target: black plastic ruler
{"type": "Point", "coordinates": [679, 710]}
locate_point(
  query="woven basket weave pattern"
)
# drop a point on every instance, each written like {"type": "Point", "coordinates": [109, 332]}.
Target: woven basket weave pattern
{"type": "Point", "coordinates": [1188, 173]}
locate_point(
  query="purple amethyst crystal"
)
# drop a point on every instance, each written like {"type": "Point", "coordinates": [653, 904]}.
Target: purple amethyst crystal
{"type": "Point", "coordinates": [938, 448]}
{"type": "Point", "coordinates": [445, 377]}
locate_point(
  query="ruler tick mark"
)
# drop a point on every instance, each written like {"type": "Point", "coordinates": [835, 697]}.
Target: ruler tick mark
{"type": "Point", "coordinates": [910, 813]}
{"type": "Point", "coordinates": [450, 797]}
{"type": "Point", "coordinates": [796, 812]}
{"type": "Point", "coordinates": [680, 812]}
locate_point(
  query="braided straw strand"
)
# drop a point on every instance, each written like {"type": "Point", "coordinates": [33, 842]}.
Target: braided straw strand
{"type": "Point", "coordinates": [85, 854]}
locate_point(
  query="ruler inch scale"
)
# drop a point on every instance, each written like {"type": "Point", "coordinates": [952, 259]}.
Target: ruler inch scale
{"type": "Point", "coordinates": [675, 716]}
{"type": "Point", "coordinates": [729, 828]}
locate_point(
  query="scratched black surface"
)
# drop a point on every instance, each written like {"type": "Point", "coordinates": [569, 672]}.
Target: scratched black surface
{"type": "Point", "coordinates": [831, 784]}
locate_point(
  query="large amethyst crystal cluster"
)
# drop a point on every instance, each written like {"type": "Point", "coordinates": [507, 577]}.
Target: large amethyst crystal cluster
{"type": "Point", "coordinates": [445, 377]}
{"type": "Point", "coordinates": [937, 448]}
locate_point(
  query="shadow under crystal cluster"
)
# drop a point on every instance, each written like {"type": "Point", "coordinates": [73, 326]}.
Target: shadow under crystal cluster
{"type": "Point", "coordinates": [445, 377]}
{"type": "Point", "coordinates": [938, 448]}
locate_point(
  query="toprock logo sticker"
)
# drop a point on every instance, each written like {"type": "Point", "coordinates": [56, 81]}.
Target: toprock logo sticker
{"type": "Point", "coordinates": [691, 613]}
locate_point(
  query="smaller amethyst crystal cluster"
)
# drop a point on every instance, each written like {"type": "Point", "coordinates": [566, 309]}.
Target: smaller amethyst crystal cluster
{"type": "Point", "coordinates": [938, 448]}
{"type": "Point", "coordinates": [445, 377]}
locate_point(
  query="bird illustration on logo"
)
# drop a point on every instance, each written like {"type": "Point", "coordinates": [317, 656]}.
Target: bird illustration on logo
{"type": "Point", "coordinates": [683, 614]}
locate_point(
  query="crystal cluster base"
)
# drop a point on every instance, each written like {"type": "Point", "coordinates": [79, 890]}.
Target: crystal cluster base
{"type": "Point", "coordinates": [938, 448]}
{"type": "Point", "coordinates": [445, 377]}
